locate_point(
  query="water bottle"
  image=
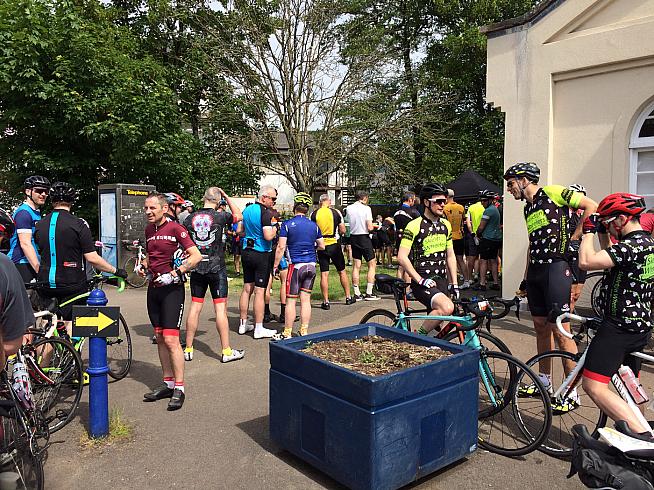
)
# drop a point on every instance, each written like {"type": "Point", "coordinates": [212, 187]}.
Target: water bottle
{"type": "Point", "coordinates": [22, 386]}
{"type": "Point", "coordinates": [633, 385]}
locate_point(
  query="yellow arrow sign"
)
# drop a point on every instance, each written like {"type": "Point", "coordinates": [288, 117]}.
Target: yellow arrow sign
{"type": "Point", "coordinates": [101, 321]}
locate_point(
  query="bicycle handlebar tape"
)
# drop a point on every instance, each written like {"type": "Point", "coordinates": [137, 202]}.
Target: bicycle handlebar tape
{"type": "Point", "coordinates": [98, 369]}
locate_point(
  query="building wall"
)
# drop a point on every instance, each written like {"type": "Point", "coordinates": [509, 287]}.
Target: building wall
{"type": "Point", "coordinates": [571, 86]}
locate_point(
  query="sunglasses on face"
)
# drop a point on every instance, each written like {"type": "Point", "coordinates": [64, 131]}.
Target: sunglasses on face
{"type": "Point", "coordinates": [39, 190]}
{"type": "Point", "coordinates": [608, 221]}
{"type": "Point", "coordinates": [440, 202]}
{"type": "Point", "coordinates": [273, 199]}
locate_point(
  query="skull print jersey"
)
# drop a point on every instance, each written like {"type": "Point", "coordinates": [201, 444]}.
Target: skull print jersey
{"type": "Point", "coordinates": [429, 241]}
{"type": "Point", "coordinates": [547, 223]}
{"type": "Point", "coordinates": [206, 227]}
{"type": "Point", "coordinates": [626, 294]}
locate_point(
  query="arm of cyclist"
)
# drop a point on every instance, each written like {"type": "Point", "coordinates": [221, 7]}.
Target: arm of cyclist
{"type": "Point", "coordinates": [25, 240]}
{"type": "Point", "coordinates": [233, 207]}
{"type": "Point", "coordinates": [320, 243]}
{"type": "Point", "coordinates": [481, 227]}
{"type": "Point", "coordinates": [279, 253]}
{"type": "Point", "coordinates": [589, 206]}
{"type": "Point", "coordinates": [193, 258]}
{"type": "Point", "coordinates": [102, 265]}
{"type": "Point", "coordinates": [589, 259]}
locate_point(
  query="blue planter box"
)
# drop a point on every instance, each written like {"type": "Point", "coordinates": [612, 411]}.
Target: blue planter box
{"type": "Point", "coordinates": [373, 432]}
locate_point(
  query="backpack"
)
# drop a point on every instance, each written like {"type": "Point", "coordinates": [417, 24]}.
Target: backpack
{"type": "Point", "coordinates": [602, 466]}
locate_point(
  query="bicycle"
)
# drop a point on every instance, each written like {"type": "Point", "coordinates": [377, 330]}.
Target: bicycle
{"type": "Point", "coordinates": [500, 376]}
{"type": "Point", "coordinates": [559, 441]}
{"type": "Point", "coordinates": [133, 264]}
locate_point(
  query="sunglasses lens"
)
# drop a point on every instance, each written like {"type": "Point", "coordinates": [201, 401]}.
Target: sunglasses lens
{"type": "Point", "coordinates": [41, 191]}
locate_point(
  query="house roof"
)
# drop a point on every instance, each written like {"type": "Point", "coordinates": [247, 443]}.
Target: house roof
{"type": "Point", "coordinates": [523, 22]}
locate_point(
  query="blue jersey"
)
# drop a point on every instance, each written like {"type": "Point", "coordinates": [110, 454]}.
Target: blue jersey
{"type": "Point", "coordinates": [25, 218]}
{"type": "Point", "coordinates": [255, 217]}
{"type": "Point", "coordinates": [301, 234]}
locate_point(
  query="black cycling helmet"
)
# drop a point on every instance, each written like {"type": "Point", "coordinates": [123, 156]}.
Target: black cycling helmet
{"type": "Point", "coordinates": [7, 225]}
{"type": "Point", "coordinates": [433, 189]}
{"type": "Point", "coordinates": [63, 192]}
{"type": "Point", "coordinates": [524, 169]}
{"type": "Point", "coordinates": [36, 181]}
{"type": "Point", "coordinates": [486, 194]}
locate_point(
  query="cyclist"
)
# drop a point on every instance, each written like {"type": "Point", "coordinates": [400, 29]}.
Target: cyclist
{"type": "Point", "coordinates": [473, 218]}
{"type": "Point", "coordinates": [360, 218]}
{"type": "Point", "coordinates": [301, 236]}
{"type": "Point", "coordinates": [579, 275]}
{"type": "Point", "coordinates": [330, 222]}
{"type": "Point", "coordinates": [165, 300]}
{"type": "Point", "coordinates": [429, 237]}
{"type": "Point", "coordinates": [455, 213]}
{"type": "Point", "coordinates": [402, 217]}
{"type": "Point", "coordinates": [187, 208]}
{"type": "Point", "coordinates": [15, 309]}
{"type": "Point", "coordinates": [489, 234]}
{"type": "Point", "coordinates": [175, 205]}
{"type": "Point", "coordinates": [547, 278]}
{"type": "Point", "coordinates": [22, 249]}
{"type": "Point", "coordinates": [65, 243]}
{"type": "Point", "coordinates": [625, 298]}
{"type": "Point", "coordinates": [206, 227]}
{"type": "Point", "coordinates": [259, 232]}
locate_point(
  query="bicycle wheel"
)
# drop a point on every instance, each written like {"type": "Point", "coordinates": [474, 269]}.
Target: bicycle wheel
{"type": "Point", "coordinates": [589, 297]}
{"type": "Point", "coordinates": [133, 278]}
{"type": "Point", "coordinates": [488, 341]}
{"type": "Point", "coordinates": [17, 455]}
{"type": "Point", "coordinates": [559, 440]}
{"type": "Point", "coordinates": [509, 425]}
{"type": "Point", "coordinates": [57, 379]}
{"type": "Point", "coordinates": [119, 351]}
{"type": "Point", "coordinates": [499, 307]}
{"type": "Point", "coordinates": [381, 316]}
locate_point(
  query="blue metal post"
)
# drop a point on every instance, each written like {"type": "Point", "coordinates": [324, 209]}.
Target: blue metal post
{"type": "Point", "coordinates": [98, 369]}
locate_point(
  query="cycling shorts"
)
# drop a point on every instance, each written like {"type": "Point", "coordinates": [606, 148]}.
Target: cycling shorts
{"type": "Point", "coordinates": [578, 275]}
{"type": "Point", "coordinates": [459, 247]}
{"type": "Point", "coordinates": [257, 267]}
{"type": "Point", "coordinates": [300, 278]}
{"type": "Point", "coordinates": [333, 254]}
{"type": "Point", "coordinates": [548, 285]}
{"type": "Point", "coordinates": [425, 295]}
{"type": "Point", "coordinates": [216, 283]}
{"type": "Point", "coordinates": [166, 308]}
{"type": "Point", "coordinates": [345, 240]}
{"type": "Point", "coordinates": [236, 247]}
{"type": "Point", "coordinates": [471, 248]}
{"type": "Point", "coordinates": [362, 247]}
{"type": "Point", "coordinates": [609, 349]}
{"type": "Point", "coordinates": [488, 249]}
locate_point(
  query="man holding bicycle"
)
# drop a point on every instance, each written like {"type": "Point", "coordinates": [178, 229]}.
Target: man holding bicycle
{"type": "Point", "coordinates": [429, 238]}
{"type": "Point", "coordinates": [625, 298]}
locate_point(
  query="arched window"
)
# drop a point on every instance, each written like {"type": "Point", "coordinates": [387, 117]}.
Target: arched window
{"type": "Point", "coordinates": [642, 156]}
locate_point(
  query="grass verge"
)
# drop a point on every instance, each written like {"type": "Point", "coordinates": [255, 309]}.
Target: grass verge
{"type": "Point", "coordinates": [120, 431]}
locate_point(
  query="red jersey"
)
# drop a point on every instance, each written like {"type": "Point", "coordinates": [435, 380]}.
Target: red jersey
{"type": "Point", "coordinates": [162, 242]}
{"type": "Point", "coordinates": [647, 222]}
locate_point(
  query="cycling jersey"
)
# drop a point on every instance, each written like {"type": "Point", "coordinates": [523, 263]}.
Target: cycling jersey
{"type": "Point", "coordinates": [63, 239]}
{"type": "Point", "coordinates": [429, 241]}
{"type": "Point", "coordinates": [161, 243]}
{"type": "Point", "coordinates": [492, 230]}
{"type": "Point", "coordinates": [626, 291]}
{"type": "Point", "coordinates": [25, 218]}
{"type": "Point", "coordinates": [402, 217]}
{"type": "Point", "coordinates": [206, 226]}
{"type": "Point", "coordinates": [301, 234]}
{"type": "Point", "coordinates": [475, 212]}
{"type": "Point", "coordinates": [15, 309]}
{"type": "Point", "coordinates": [328, 220]}
{"type": "Point", "coordinates": [255, 217]}
{"type": "Point", "coordinates": [454, 213]}
{"type": "Point", "coordinates": [547, 219]}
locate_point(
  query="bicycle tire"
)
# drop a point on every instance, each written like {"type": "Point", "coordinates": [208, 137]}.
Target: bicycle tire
{"type": "Point", "coordinates": [133, 278]}
{"type": "Point", "coordinates": [559, 442]}
{"type": "Point", "coordinates": [525, 424]}
{"type": "Point", "coordinates": [488, 337]}
{"type": "Point", "coordinates": [595, 293]}
{"type": "Point", "coordinates": [61, 364]}
{"type": "Point", "coordinates": [119, 351]}
{"type": "Point", "coordinates": [381, 316]}
{"type": "Point", "coordinates": [498, 305]}
{"type": "Point", "coordinates": [17, 454]}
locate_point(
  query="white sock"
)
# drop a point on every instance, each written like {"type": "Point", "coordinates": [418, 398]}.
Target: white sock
{"type": "Point", "coordinates": [179, 387]}
{"type": "Point", "coordinates": [170, 382]}
{"type": "Point", "coordinates": [258, 326]}
{"type": "Point", "coordinates": [546, 379]}
{"type": "Point", "coordinates": [356, 289]}
{"type": "Point", "coordinates": [243, 322]}
{"type": "Point", "coordinates": [369, 288]}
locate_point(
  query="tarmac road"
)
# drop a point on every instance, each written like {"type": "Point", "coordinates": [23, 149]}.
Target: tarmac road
{"type": "Point", "coordinates": [219, 439]}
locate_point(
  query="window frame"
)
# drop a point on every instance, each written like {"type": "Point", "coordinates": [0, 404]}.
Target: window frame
{"type": "Point", "coordinates": [639, 145]}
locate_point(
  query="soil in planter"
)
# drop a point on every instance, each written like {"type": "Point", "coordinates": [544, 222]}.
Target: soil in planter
{"type": "Point", "coordinates": [374, 355]}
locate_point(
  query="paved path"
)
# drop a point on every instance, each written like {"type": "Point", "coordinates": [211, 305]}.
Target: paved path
{"type": "Point", "coordinates": [220, 437]}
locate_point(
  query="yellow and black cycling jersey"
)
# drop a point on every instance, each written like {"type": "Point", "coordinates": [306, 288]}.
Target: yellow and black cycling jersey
{"type": "Point", "coordinates": [429, 241]}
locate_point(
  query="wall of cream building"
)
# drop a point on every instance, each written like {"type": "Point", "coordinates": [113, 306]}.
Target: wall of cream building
{"type": "Point", "coordinates": [571, 86]}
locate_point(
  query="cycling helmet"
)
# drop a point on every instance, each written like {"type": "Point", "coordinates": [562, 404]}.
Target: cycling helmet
{"type": "Point", "coordinates": [174, 198]}
{"type": "Point", "coordinates": [188, 204]}
{"type": "Point", "coordinates": [303, 198]}
{"type": "Point", "coordinates": [36, 181]}
{"type": "Point", "coordinates": [433, 189]}
{"type": "Point", "coordinates": [578, 188]}
{"type": "Point", "coordinates": [621, 203]}
{"type": "Point", "coordinates": [486, 194]}
{"type": "Point", "coordinates": [524, 169]}
{"type": "Point", "coordinates": [7, 225]}
{"type": "Point", "coordinates": [63, 192]}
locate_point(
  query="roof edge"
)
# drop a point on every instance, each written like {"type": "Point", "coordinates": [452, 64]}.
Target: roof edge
{"type": "Point", "coordinates": [523, 22]}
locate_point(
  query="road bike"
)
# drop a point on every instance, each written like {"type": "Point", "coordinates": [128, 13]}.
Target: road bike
{"type": "Point", "coordinates": [508, 425]}
{"type": "Point", "coordinates": [133, 263]}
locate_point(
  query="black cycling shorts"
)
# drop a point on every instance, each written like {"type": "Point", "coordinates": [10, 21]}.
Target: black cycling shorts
{"type": "Point", "coordinates": [216, 282]}
{"type": "Point", "coordinates": [488, 249]}
{"type": "Point", "coordinates": [548, 285]}
{"type": "Point", "coordinates": [459, 247]}
{"type": "Point", "coordinates": [166, 308]}
{"type": "Point", "coordinates": [362, 247]}
{"type": "Point", "coordinates": [471, 248]}
{"type": "Point", "coordinates": [609, 349]}
{"type": "Point", "coordinates": [425, 295]}
{"type": "Point", "coordinates": [257, 267]}
{"type": "Point", "coordinates": [300, 278]}
{"type": "Point", "coordinates": [236, 247]}
{"type": "Point", "coordinates": [578, 275]}
{"type": "Point", "coordinates": [63, 296]}
{"type": "Point", "coordinates": [333, 254]}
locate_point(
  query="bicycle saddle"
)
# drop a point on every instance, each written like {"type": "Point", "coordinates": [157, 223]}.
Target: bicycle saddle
{"type": "Point", "coordinates": [387, 279]}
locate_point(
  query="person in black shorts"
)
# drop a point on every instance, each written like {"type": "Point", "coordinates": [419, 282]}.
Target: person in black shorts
{"type": "Point", "coordinates": [406, 213]}
{"type": "Point", "coordinates": [361, 225]}
{"type": "Point", "coordinates": [625, 299]}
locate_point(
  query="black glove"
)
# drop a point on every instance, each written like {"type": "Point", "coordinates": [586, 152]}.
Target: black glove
{"type": "Point", "coordinates": [455, 293]}
{"type": "Point", "coordinates": [573, 246]}
{"type": "Point", "coordinates": [591, 223]}
{"type": "Point", "coordinates": [122, 273]}
{"type": "Point", "coordinates": [523, 285]}
{"type": "Point", "coordinates": [601, 228]}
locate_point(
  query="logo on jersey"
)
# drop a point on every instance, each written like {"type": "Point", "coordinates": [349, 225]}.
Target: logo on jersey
{"type": "Point", "coordinates": [648, 270]}
{"type": "Point", "coordinates": [201, 224]}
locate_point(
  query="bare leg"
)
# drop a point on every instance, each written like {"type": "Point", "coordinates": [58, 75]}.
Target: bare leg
{"type": "Point", "coordinates": [483, 268]}
{"type": "Point", "coordinates": [494, 272]}
{"type": "Point", "coordinates": [372, 268]}
{"type": "Point", "coordinates": [324, 285]}
{"type": "Point", "coordinates": [544, 342]}
{"type": "Point", "coordinates": [305, 308]}
{"type": "Point", "coordinates": [259, 304]}
{"type": "Point", "coordinates": [442, 305]}
{"type": "Point", "coordinates": [345, 282]}
{"type": "Point", "coordinates": [244, 302]}
{"type": "Point", "coordinates": [192, 322]}
{"type": "Point", "coordinates": [222, 324]}
{"type": "Point", "coordinates": [611, 404]}
{"type": "Point", "coordinates": [290, 312]}
{"type": "Point", "coordinates": [356, 268]}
